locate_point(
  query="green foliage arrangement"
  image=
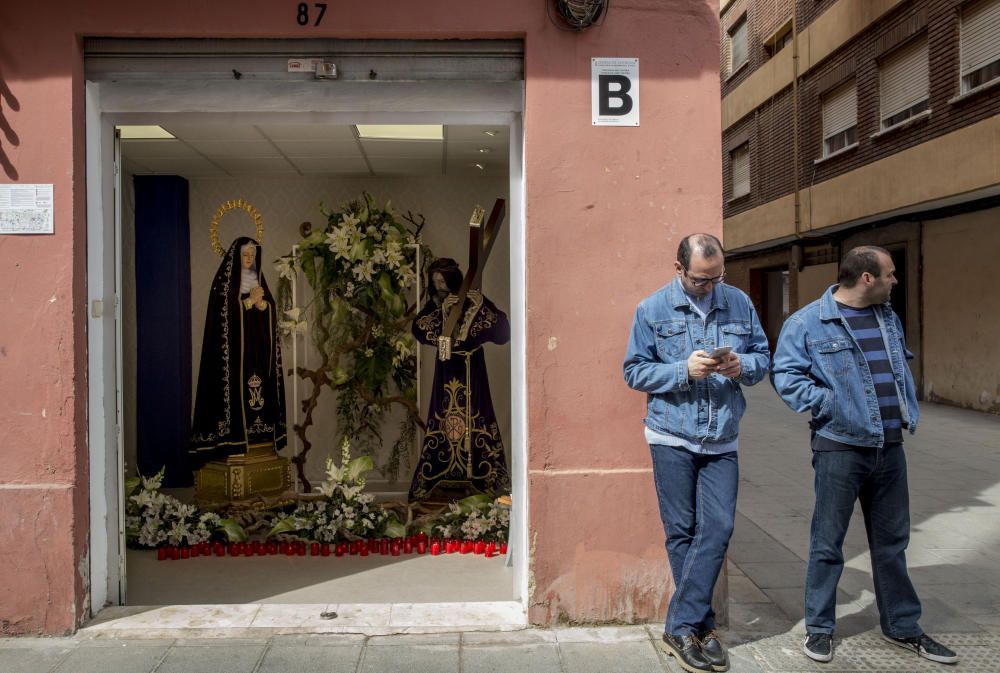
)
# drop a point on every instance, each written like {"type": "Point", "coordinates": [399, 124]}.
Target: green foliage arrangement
{"type": "Point", "coordinates": [361, 267]}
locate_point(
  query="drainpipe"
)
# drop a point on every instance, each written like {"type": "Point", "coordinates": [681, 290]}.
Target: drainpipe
{"type": "Point", "coordinates": [795, 253]}
{"type": "Point", "coordinates": [795, 121]}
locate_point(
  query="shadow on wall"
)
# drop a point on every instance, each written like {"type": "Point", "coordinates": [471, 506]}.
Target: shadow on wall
{"type": "Point", "coordinates": [7, 102]}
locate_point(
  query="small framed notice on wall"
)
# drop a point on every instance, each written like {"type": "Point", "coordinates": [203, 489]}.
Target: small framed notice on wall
{"type": "Point", "coordinates": [26, 209]}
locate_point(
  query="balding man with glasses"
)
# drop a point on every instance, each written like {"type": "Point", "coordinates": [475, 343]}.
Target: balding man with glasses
{"type": "Point", "coordinates": [695, 342]}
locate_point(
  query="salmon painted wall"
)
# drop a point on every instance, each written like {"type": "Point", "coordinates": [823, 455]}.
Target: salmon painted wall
{"type": "Point", "coordinates": [605, 208]}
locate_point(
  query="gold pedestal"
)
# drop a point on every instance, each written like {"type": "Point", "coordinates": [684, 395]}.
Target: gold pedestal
{"type": "Point", "coordinates": [259, 471]}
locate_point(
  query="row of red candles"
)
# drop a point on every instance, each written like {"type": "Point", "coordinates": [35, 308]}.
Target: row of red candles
{"type": "Point", "coordinates": [418, 544]}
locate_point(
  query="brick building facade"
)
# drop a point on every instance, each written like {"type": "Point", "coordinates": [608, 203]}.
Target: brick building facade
{"type": "Point", "coordinates": [795, 195]}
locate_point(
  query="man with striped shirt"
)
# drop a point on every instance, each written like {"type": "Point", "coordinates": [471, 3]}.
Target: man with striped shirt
{"type": "Point", "coordinates": [843, 357]}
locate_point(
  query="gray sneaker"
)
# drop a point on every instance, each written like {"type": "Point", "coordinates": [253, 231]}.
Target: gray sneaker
{"type": "Point", "coordinates": [818, 647]}
{"type": "Point", "coordinates": [925, 647]}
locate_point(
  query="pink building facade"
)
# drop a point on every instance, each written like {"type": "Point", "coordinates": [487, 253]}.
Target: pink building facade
{"type": "Point", "coordinates": [601, 211]}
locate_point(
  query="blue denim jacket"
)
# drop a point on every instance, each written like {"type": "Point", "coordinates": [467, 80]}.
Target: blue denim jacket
{"type": "Point", "coordinates": [819, 367]}
{"type": "Point", "coordinates": [665, 331]}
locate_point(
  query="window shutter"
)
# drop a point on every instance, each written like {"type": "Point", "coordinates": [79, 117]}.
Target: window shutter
{"type": "Point", "coordinates": [980, 39]}
{"type": "Point", "coordinates": [840, 109]}
{"type": "Point", "coordinates": [903, 78]}
{"type": "Point", "coordinates": [740, 166]}
{"type": "Point", "coordinates": [739, 45]}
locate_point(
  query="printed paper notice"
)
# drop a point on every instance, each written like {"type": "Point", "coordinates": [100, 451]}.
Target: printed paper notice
{"type": "Point", "coordinates": [26, 209]}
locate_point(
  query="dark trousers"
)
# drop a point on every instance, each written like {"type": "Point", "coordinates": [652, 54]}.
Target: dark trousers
{"type": "Point", "coordinates": [697, 496]}
{"type": "Point", "coordinates": [877, 478]}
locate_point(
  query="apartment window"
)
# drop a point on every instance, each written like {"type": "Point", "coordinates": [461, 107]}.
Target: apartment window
{"type": "Point", "coordinates": [738, 54]}
{"type": "Point", "coordinates": [840, 118]}
{"type": "Point", "coordinates": [779, 39]}
{"type": "Point", "coordinates": [980, 43]}
{"type": "Point", "coordinates": [739, 166]}
{"type": "Point", "coordinates": [904, 82]}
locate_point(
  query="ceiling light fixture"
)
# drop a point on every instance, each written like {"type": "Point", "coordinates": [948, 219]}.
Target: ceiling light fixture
{"type": "Point", "coordinates": [400, 131]}
{"type": "Point", "coordinates": [145, 133]}
{"type": "Point", "coordinates": [480, 167]}
{"type": "Point", "coordinates": [485, 150]}
{"type": "Point", "coordinates": [491, 133]}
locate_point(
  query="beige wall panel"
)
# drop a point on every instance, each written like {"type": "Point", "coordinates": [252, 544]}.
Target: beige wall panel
{"type": "Point", "coordinates": [956, 163]}
{"type": "Point", "coordinates": [775, 219]}
{"type": "Point", "coordinates": [959, 326]}
{"type": "Point", "coordinates": [821, 38]}
{"type": "Point", "coordinates": [813, 281]}
{"type": "Point", "coordinates": [767, 80]}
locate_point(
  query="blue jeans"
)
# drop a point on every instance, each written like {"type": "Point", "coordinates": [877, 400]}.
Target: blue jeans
{"type": "Point", "coordinates": [876, 477]}
{"type": "Point", "coordinates": [697, 495]}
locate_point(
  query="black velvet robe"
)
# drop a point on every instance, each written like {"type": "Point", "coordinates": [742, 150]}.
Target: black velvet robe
{"type": "Point", "coordinates": [462, 452]}
{"type": "Point", "coordinates": [240, 400]}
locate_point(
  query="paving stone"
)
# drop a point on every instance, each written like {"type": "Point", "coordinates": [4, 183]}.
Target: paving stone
{"type": "Point", "coordinates": [601, 634]}
{"type": "Point", "coordinates": [539, 658]}
{"type": "Point", "coordinates": [743, 590]}
{"type": "Point", "coordinates": [409, 659]}
{"type": "Point", "coordinates": [31, 659]}
{"type": "Point", "coordinates": [520, 637]}
{"type": "Point", "coordinates": [776, 575]}
{"type": "Point", "coordinates": [635, 657]}
{"type": "Point", "coordinates": [116, 656]}
{"type": "Point", "coordinates": [409, 640]}
{"type": "Point", "coordinates": [224, 657]}
{"type": "Point", "coordinates": [311, 657]}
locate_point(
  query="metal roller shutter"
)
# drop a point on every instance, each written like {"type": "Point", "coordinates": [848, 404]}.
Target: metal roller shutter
{"type": "Point", "coordinates": [740, 159]}
{"type": "Point", "coordinates": [903, 78]}
{"type": "Point", "coordinates": [124, 59]}
{"type": "Point", "coordinates": [980, 41]}
{"type": "Point", "coordinates": [840, 109]}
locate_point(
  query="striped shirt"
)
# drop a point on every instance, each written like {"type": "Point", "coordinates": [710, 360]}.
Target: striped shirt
{"type": "Point", "coordinates": [864, 325]}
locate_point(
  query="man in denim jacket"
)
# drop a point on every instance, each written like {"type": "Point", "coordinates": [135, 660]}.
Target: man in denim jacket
{"type": "Point", "coordinates": [843, 357]}
{"type": "Point", "coordinates": [694, 407]}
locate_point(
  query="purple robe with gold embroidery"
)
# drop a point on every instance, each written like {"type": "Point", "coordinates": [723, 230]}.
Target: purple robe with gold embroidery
{"type": "Point", "coordinates": [462, 452]}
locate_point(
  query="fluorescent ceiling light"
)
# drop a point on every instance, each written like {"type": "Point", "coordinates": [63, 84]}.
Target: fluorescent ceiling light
{"type": "Point", "coordinates": [145, 133]}
{"type": "Point", "coordinates": [401, 131]}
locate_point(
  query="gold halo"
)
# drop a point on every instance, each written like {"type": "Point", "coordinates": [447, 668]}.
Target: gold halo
{"type": "Point", "coordinates": [238, 204]}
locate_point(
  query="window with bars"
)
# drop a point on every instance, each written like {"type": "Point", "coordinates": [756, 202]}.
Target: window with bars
{"type": "Point", "coordinates": [739, 166]}
{"type": "Point", "coordinates": [840, 118]}
{"type": "Point", "coordinates": [737, 38]}
{"type": "Point", "coordinates": [980, 43]}
{"type": "Point", "coordinates": [904, 82]}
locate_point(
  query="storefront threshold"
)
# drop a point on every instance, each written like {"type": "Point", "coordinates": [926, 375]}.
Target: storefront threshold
{"type": "Point", "coordinates": [270, 619]}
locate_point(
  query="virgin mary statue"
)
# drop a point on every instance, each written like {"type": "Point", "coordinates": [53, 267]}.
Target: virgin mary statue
{"type": "Point", "coordinates": [240, 401]}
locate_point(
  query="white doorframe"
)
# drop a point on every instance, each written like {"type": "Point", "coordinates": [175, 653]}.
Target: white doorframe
{"type": "Point", "coordinates": [110, 104]}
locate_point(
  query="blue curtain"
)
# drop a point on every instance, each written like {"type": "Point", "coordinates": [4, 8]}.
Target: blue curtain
{"type": "Point", "coordinates": [163, 326]}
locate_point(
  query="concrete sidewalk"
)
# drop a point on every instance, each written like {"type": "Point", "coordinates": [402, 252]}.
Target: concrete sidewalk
{"type": "Point", "coordinates": [954, 468]}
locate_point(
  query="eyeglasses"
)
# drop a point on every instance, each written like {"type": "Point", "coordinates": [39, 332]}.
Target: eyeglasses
{"type": "Point", "coordinates": [702, 282]}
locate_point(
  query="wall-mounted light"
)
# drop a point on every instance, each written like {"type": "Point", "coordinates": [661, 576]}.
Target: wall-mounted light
{"type": "Point", "coordinates": [577, 14]}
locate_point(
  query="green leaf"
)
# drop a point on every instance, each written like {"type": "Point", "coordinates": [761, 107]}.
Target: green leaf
{"type": "Point", "coordinates": [234, 532]}
{"type": "Point", "coordinates": [358, 468]}
{"type": "Point", "coordinates": [132, 485]}
{"type": "Point", "coordinates": [393, 528]}
{"type": "Point", "coordinates": [283, 526]}
{"type": "Point", "coordinates": [473, 502]}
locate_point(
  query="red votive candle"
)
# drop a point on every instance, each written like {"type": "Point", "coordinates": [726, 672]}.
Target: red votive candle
{"type": "Point", "coordinates": [364, 550]}
{"type": "Point", "coordinates": [324, 549]}
{"type": "Point", "coordinates": [421, 546]}
{"type": "Point", "coordinates": [220, 549]}
{"type": "Point", "coordinates": [195, 551]}
{"type": "Point", "coordinates": [480, 547]}
{"type": "Point", "coordinates": [301, 551]}
{"type": "Point", "coordinates": [491, 548]}
{"type": "Point", "coordinates": [314, 549]}
{"type": "Point", "coordinates": [395, 549]}
{"type": "Point", "coordinates": [435, 548]}
{"type": "Point", "coordinates": [408, 546]}
{"type": "Point", "coordinates": [383, 546]}
{"type": "Point", "coordinates": [161, 554]}
{"type": "Point", "coordinates": [339, 550]}
{"type": "Point", "coordinates": [503, 547]}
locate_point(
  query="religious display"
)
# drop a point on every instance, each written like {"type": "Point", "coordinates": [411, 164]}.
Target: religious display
{"type": "Point", "coordinates": [239, 413]}
{"type": "Point", "coordinates": [463, 451]}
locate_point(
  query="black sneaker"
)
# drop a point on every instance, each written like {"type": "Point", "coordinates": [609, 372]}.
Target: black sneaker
{"type": "Point", "coordinates": [818, 647]}
{"type": "Point", "coordinates": [926, 647]}
{"type": "Point", "coordinates": [687, 651]}
{"type": "Point", "coordinates": [714, 650]}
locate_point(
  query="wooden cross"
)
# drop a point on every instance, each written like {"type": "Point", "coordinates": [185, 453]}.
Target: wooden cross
{"type": "Point", "coordinates": [481, 240]}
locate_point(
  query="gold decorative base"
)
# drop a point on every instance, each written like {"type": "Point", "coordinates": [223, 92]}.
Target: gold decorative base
{"type": "Point", "coordinates": [259, 471]}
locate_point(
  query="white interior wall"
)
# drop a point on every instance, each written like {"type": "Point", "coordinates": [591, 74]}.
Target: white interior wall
{"type": "Point", "coordinates": [285, 202]}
